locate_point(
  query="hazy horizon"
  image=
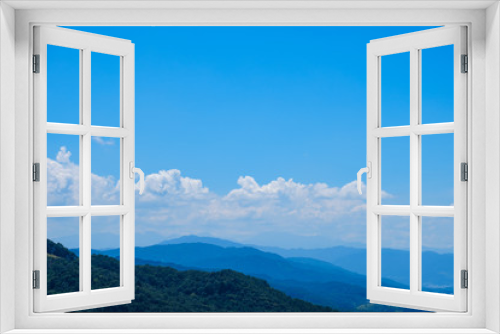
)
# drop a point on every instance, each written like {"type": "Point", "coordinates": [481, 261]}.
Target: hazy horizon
{"type": "Point", "coordinates": [100, 243]}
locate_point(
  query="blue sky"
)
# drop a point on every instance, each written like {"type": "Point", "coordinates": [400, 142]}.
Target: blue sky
{"type": "Point", "coordinates": [222, 103]}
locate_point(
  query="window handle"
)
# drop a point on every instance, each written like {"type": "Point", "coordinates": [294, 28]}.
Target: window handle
{"type": "Point", "coordinates": [368, 171]}
{"type": "Point", "coordinates": [139, 171]}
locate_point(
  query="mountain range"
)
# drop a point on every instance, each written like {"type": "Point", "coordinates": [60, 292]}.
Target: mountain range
{"type": "Point", "coordinates": [437, 268]}
{"type": "Point", "coordinates": [333, 277]}
{"type": "Point", "coordinates": [313, 280]}
{"type": "Point", "coordinates": [164, 289]}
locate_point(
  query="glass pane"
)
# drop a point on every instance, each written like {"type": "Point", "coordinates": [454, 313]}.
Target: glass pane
{"type": "Point", "coordinates": [63, 266]}
{"type": "Point", "coordinates": [395, 89]}
{"type": "Point", "coordinates": [63, 170]}
{"type": "Point", "coordinates": [105, 90]}
{"type": "Point", "coordinates": [395, 236]}
{"type": "Point", "coordinates": [63, 85]}
{"type": "Point", "coordinates": [105, 238]}
{"type": "Point", "coordinates": [437, 254]}
{"type": "Point", "coordinates": [395, 170]}
{"type": "Point", "coordinates": [437, 169]}
{"type": "Point", "coordinates": [437, 84]}
{"type": "Point", "coordinates": [105, 171]}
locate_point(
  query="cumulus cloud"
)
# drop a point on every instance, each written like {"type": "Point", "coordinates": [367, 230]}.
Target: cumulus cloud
{"type": "Point", "coordinates": [63, 183]}
{"type": "Point", "coordinates": [63, 180]}
{"type": "Point", "coordinates": [105, 190]}
{"type": "Point", "coordinates": [288, 198]}
{"type": "Point", "coordinates": [103, 141]}
{"type": "Point", "coordinates": [166, 185]}
{"type": "Point", "coordinates": [174, 205]}
{"type": "Point", "coordinates": [182, 205]}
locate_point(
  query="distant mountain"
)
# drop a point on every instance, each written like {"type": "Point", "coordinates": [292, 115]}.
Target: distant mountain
{"type": "Point", "coordinates": [291, 240]}
{"type": "Point", "coordinates": [102, 240]}
{"type": "Point", "coordinates": [334, 255]}
{"type": "Point", "coordinates": [164, 289]}
{"type": "Point", "coordinates": [192, 239]}
{"type": "Point", "coordinates": [341, 296]}
{"type": "Point", "coordinates": [437, 268]}
{"type": "Point", "coordinates": [247, 260]}
{"type": "Point", "coordinates": [437, 272]}
{"type": "Point", "coordinates": [313, 280]}
{"type": "Point", "coordinates": [308, 274]}
{"type": "Point", "coordinates": [141, 262]}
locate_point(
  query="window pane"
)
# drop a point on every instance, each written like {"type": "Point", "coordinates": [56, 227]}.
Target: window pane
{"type": "Point", "coordinates": [437, 169]}
{"type": "Point", "coordinates": [437, 254]}
{"type": "Point", "coordinates": [105, 237]}
{"type": "Point", "coordinates": [395, 170]}
{"type": "Point", "coordinates": [63, 266]}
{"type": "Point", "coordinates": [63, 85]}
{"type": "Point", "coordinates": [105, 171]}
{"type": "Point", "coordinates": [395, 236]}
{"type": "Point", "coordinates": [63, 170]}
{"type": "Point", "coordinates": [437, 84]}
{"type": "Point", "coordinates": [395, 89]}
{"type": "Point", "coordinates": [105, 90]}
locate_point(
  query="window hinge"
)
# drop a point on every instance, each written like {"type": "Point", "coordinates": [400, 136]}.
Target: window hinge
{"type": "Point", "coordinates": [36, 63]}
{"type": "Point", "coordinates": [36, 279]}
{"type": "Point", "coordinates": [464, 170]}
{"type": "Point", "coordinates": [465, 279]}
{"type": "Point", "coordinates": [465, 64]}
{"type": "Point", "coordinates": [36, 172]}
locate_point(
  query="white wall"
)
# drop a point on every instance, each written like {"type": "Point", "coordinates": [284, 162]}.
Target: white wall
{"type": "Point", "coordinates": [7, 161]}
{"type": "Point", "coordinates": [492, 166]}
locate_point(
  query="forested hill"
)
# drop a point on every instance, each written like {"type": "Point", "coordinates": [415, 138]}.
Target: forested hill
{"type": "Point", "coordinates": [164, 289]}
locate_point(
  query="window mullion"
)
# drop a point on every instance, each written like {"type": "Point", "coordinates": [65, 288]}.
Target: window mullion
{"type": "Point", "coordinates": [434, 129]}
{"type": "Point", "coordinates": [86, 174]}
{"type": "Point", "coordinates": [414, 170]}
{"type": "Point", "coordinates": [102, 131]}
{"type": "Point", "coordinates": [414, 42]}
{"type": "Point", "coordinates": [66, 129]}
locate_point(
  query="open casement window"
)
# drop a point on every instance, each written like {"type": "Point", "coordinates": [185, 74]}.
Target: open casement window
{"type": "Point", "coordinates": [82, 205]}
{"type": "Point", "coordinates": [416, 130]}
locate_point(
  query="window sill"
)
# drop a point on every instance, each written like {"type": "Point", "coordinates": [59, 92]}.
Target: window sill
{"type": "Point", "coordinates": [248, 331]}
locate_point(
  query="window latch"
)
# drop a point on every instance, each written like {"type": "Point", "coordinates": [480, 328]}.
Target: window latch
{"type": "Point", "coordinates": [132, 171]}
{"type": "Point", "coordinates": [368, 171]}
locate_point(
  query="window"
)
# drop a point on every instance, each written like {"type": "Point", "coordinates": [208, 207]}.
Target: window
{"type": "Point", "coordinates": [296, 275]}
{"type": "Point", "coordinates": [482, 210]}
{"type": "Point", "coordinates": [90, 210]}
{"type": "Point", "coordinates": [414, 214]}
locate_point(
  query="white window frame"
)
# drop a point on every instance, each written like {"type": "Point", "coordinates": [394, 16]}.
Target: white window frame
{"type": "Point", "coordinates": [86, 44]}
{"type": "Point", "coordinates": [414, 43]}
{"type": "Point", "coordinates": [482, 19]}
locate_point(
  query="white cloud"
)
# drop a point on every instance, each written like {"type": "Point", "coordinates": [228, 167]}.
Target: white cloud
{"type": "Point", "coordinates": [289, 198]}
{"type": "Point", "coordinates": [105, 190]}
{"type": "Point", "coordinates": [63, 155]}
{"type": "Point", "coordinates": [62, 180]}
{"type": "Point", "coordinates": [102, 141]}
{"type": "Point", "coordinates": [63, 183]}
{"type": "Point", "coordinates": [166, 185]}
{"type": "Point", "coordinates": [251, 209]}
{"type": "Point", "coordinates": [174, 205]}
